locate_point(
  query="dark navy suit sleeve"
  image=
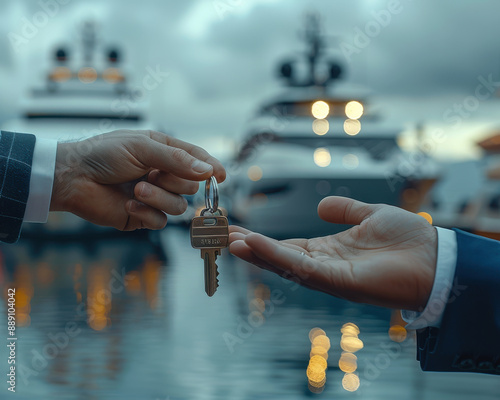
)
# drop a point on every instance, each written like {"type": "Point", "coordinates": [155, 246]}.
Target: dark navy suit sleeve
{"type": "Point", "coordinates": [16, 157]}
{"type": "Point", "coordinates": [468, 339]}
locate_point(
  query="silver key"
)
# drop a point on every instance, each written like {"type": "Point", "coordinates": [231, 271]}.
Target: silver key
{"type": "Point", "coordinates": [210, 234]}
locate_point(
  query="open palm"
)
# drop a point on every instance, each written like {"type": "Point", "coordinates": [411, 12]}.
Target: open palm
{"type": "Point", "coordinates": [388, 258]}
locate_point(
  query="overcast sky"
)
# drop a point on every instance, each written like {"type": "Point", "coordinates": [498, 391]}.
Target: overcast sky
{"type": "Point", "coordinates": [222, 55]}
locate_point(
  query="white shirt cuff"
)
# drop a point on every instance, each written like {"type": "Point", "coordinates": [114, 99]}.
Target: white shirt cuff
{"type": "Point", "coordinates": [42, 179]}
{"type": "Point", "coordinates": [443, 282]}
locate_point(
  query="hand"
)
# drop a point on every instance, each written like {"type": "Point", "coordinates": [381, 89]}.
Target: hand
{"type": "Point", "coordinates": [129, 179]}
{"type": "Point", "coordinates": [388, 259]}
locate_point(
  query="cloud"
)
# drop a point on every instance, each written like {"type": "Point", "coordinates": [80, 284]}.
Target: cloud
{"type": "Point", "coordinates": [222, 67]}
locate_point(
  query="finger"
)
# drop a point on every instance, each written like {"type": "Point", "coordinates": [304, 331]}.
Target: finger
{"type": "Point", "coordinates": [197, 152]}
{"type": "Point", "coordinates": [160, 199]}
{"type": "Point", "coordinates": [144, 216]}
{"type": "Point", "coordinates": [236, 228]}
{"type": "Point", "coordinates": [342, 210]}
{"type": "Point", "coordinates": [173, 160]}
{"type": "Point", "coordinates": [291, 262]}
{"type": "Point", "coordinates": [172, 183]}
{"type": "Point", "coordinates": [241, 250]}
{"type": "Point", "coordinates": [234, 236]}
{"type": "Point", "coordinates": [239, 233]}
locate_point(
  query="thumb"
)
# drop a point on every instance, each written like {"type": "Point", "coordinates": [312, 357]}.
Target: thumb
{"type": "Point", "coordinates": [343, 210]}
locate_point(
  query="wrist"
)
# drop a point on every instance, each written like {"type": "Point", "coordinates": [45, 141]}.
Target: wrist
{"type": "Point", "coordinates": [64, 178]}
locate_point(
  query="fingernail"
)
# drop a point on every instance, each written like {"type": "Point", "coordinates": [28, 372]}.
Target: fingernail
{"type": "Point", "coordinates": [133, 206]}
{"type": "Point", "coordinates": [200, 166]}
{"type": "Point", "coordinates": [145, 190]}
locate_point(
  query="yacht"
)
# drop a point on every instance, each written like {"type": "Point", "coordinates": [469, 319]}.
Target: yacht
{"type": "Point", "coordinates": [82, 96]}
{"type": "Point", "coordinates": [321, 137]}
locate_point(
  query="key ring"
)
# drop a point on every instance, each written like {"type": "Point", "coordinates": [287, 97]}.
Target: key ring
{"type": "Point", "coordinates": [211, 205]}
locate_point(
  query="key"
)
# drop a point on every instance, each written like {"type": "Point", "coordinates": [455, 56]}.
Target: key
{"type": "Point", "coordinates": [210, 234]}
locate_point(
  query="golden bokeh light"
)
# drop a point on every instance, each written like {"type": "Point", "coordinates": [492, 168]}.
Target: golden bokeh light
{"type": "Point", "coordinates": [315, 332]}
{"type": "Point", "coordinates": [350, 332]}
{"type": "Point", "coordinates": [320, 109]}
{"type": "Point", "coordinates": [319, 351]}
{"type": "Point", "coordinates": [350, 327]}
{"type": "Point", "coordinates": [317, 387]}
{"type": "Point", "coordinates": [317, 384]}
{"type": "Point", "coordinates": [99, 298]}
{"type": "Point", "coordinates": [254, 173]}
{"type": "Point", "coordinates": [320, 127]}
{"type": "Point", "coordinates": [87, 75]}
{"type": "Point", "coordinates": [316, 369]}
{"type": "Point", "coordinates": [350, 382]}
{"type": "Point", "coordinates": [397, 333]}
{"type": "Point", "coordinates": [113, 75]}
{"type": "Point", "coordinates": [262, 291]}
{"type": "Point", "coordinates": [60, 74]}
{"type": "Point", "coordinates": [322, 157]}
{"type": "Point", "coordinates": [352, 126]}
{"type": "Point", "coordinates": [315, 373]}
{"type": "Point", "coordinates": [354, 110]}
{"type": "Point", "coordinates": [23, 319]}
{"type": "Point", "coordinates": [151, 277]}
{"type": "Point", "coordinates": [350, 161]}
{"type": "Point", "coordinates": [351, 344]}
{"type": "Point", "coordinates": [321, 341]}
{"type": "Point", "coordinates": [427, 216]}
{"type": "Point", "coordinates": [348, 362]}
{"type": "Point", "coordinates": [134, 284]}
{"type": "Point", "coordinates": [257, 304]}
{"type": "Point", "coordinates": [318, 360]}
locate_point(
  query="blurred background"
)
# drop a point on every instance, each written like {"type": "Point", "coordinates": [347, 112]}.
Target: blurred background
{"type": "Point", "coordinates": [382, 101]}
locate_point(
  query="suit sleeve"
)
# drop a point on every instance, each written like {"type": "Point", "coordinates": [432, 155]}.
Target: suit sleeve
{"type": "Point", "coordinates": [16, 157]}
{"type": "Point", "coordinates": [468, 337]}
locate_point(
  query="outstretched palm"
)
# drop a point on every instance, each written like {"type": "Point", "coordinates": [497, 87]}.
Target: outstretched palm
{"type": "Point", "coordinates": [387, 259]}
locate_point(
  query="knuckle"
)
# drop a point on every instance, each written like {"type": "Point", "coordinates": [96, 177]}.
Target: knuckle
{"type": "Point", "coordinates": [141, 140]}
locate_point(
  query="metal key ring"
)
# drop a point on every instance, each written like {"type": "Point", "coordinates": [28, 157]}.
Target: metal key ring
{"type": "Point", "coordinates": [211, 204]}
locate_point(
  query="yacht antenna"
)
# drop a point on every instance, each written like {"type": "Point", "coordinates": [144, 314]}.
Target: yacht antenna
{"type": "Point", "coordinates": [314, 57]}
{"type": "Point", "coordinates": [89, 42]}
{"type": "Point", "coordinates": [315, 44]}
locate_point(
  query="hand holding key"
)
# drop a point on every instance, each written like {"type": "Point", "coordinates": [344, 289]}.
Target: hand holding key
{"type": "Point", "coordinates": [388, 258]}
{"type": "Point", "coordinates": [129, 179]}
{"type": "Point", "coordinates": [210, 233]}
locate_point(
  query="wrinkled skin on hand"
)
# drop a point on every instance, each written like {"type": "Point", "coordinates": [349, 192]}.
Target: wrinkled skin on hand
{"type": "Point", "coordinates": [387, 259]}
{"type": "Point", "coordinates": [129, 179]}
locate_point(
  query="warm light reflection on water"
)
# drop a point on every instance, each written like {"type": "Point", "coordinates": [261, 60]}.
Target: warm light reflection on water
{"type": "Point", "coordinates": [162, 330]}
{"type": "Point", "coordinates": [99, 297]}
{"type": "Point", "coordinates": [427, 216]}
{"type": "Point", "coordinates": [350, 382]}
{"type": "Point", "coordinates": [23, 282]}
{"type": "Point", "coordinates": [316, 369]}
{"type": "Point", "coordinates": [397, 333]}
{"type": "Point", "coordinates": [348, 362]}
{"type": "Point", "coordinates": [315, 332]}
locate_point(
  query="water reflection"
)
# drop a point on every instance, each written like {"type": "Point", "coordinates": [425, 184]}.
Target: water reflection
{"type": "Point", "coordinates": [116, 320]}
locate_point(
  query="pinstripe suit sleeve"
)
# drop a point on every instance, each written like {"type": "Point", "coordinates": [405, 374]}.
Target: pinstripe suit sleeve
{"type": "Point", "coordinates": [16, 157]}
